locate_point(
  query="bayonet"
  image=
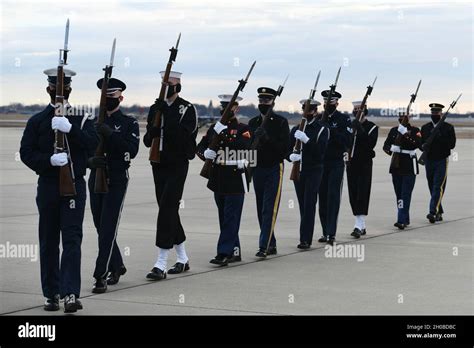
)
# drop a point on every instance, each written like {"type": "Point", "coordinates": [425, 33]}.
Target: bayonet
{"type": "Point", "coordinates": [112, 54]}
{"type": "Point", "coordinates": [281, 87]}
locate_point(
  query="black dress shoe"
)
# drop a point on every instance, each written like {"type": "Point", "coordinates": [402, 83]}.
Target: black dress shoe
{"type": "Point", "coordinates": [71, 304]}
{"type": "Point", "coordinates": [179, 268]}
{"type": "Point", "coordinates": [261, 254]}
{"type": "Point", "coordinates": [331, 241]}
{"type": "Point", "coordinates": [220, 260]}
{"type": "Point", "coordinates": [363, 232]}
{"type": "Point", "coordinates": [323, 239]}
{"type": "Point", "coordinates": [52, 304]}
{"type": "Point", "coordinates": [399, 225]}
{"type": "Point", "coordinates": [114, 277]}
{"type": "Point", "coordinates": [431, 218]}
{"type": "Point", "coordinates": [304, 246]}
{"type": "Point", "coordinates": [235, 258]}
{"type": "Point", "coordinates": [439, 217]}
{"type": "Point", "coordinates": [156, 274]}
{"type": "Point", "coordinates": [356, 233]}
{"type": "Point", "coordinates": [100, 286]}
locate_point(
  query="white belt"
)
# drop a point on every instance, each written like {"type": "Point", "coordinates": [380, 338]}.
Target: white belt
{"type": "Point", "coordinates": [242, 163]}
{"type": "Point", "coordinates": [409, 152]}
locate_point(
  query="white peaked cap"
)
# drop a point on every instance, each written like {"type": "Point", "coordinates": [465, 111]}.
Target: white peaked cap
{"type": "Point", "coordinates": [173, 74]}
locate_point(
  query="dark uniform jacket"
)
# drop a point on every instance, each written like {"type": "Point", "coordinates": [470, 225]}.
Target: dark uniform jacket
{"type": "Point", "coordinates": [274, 150]}
{"type": "Point", "coordinates": [340, 136]}
{"type": "Point", "coordinates": [122, 145]}
{"type": "Point", "coordinates": [410, 141]}
{"type": "Point", "coordinates": [37, 143]}
{"type": "Point", "coordinates": [443, 143]}
{"type": "Point", "coordinates": [227, 179]}
{"type": "Point", "coordinates": [313, 152]}
{"type": "Point", "coordinates": [366, 140]}
{"type": "Point", "coordinates": [179, 122]}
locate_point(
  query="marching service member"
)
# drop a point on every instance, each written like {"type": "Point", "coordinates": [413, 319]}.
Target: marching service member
{"type": "Point", "coordinates": [227, 179]}
{"type": "Point", "coordinates": [177, 146]}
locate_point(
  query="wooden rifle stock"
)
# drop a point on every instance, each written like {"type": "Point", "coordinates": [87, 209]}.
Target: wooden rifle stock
{"type": "Point", "coordinates": [395, 161]}
{"type": "Point", "coordinates": [360, 115]}
{"type": "Point", "coordinates": [66, 175]}
{"type": "Point", "coordinates": [295, 171]}
{"type": "Point", "coordinates": [155, 151]}
{"type": "Point", "coordinates": [226, 115]}
{"type": "Point", "coordinates": [429, 141]}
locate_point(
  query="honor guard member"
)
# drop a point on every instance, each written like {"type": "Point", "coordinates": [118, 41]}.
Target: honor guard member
{"type": "Point", "coordinates": [60, 218]}
{"type": "Point", "coordinates": [178, 146]}
{"type": "Point", "coordinates": [359, 168]}
{"type": "Point", "coordinates": [121, 140]}
{"type": "Point", "coordinates": [314, 141]}
{"type": "Point", "coordinates": [274, 137]}
{"type": "Point", "coordinates": [228, 179]}
{"type": "Point", "coordinates": [330, 190]}
{"type": "Point", "coordinates": [436, 163]}
{"type": "Point", "coordinates": [403, 175]}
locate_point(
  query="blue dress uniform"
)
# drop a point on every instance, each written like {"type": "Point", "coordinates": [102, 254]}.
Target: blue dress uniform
{"type": "Point", "coordinates": [229, 182]}
{"type": "Point", "coordinates": [359, 170]}
{"type": "Point", "coordinates": [436, 163]}
{"type": "Point", "coordinates": [311, 172]}
{"type": "Point", "coordinates": [403, 177]}
{"type": "Point", "coordinates": [268, 173]}
{"type": "Point", "coordinates": [330, 190]}
{"type": "Point", "coordinates": [121, 141]}
{"type": "Point", "coordinates": [59, 217]}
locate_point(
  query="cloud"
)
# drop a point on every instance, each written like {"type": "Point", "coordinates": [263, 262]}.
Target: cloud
{"type": "Point", "coordinates": [400, 41]}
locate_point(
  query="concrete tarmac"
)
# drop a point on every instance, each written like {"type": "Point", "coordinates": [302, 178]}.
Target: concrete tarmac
{"type": "Point", "coordinates": [425, 269]}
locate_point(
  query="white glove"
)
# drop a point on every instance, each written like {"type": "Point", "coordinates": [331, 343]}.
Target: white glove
{"type": "Point", "coordinates": [58, 159]}
{"type": "Point", "coordinates": [402, 129]}
{"type": "Point", "coordinates": [395, 148]}
{"type": "Point", "coordinates": [61, 123]}
{"type": "Point", "coordinates": [301, 136]}
{"type": "Point", "coordinates": [210, 154]}
{"type": "Point", "coordinates": [295, 157]}
{"type": "Point", "coordinates": [219, 127]}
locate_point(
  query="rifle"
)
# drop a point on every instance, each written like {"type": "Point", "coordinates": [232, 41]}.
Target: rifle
{"type": "Point", "coordinates": [156, 144]}
{"type": "Point", "coordinates": [66, 175]}
{"type": "Point", "coordinates": [256, 141]}
{"type": "Point", "coordinates": [332, 89]}
{"type": "Point", "coordinates": [395, 163]}
{"type": "Point", "coordinates": [295, 171]}
{"type": "Point", "coordinates": [226, 115]}
{"type": "Point", "coordinates": [427, 145]}
{"type": "Point", "coordinates": [360, 114]}
{"type": "Point", "coordinates": [100, 173]}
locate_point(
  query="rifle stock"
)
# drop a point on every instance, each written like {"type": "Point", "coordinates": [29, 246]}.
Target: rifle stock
{"type": "Point", "coordinates": [66, 176]}
{"type": "Point", "coordinates": [360, 114]}
{"type": "Point", "coordinates": [101, 182]}
{"type": "Point", "coordinates": [429, 141]}
{"type": "Point", "coordinates": [395, 161]}
{"type": "Point", "coordinates": [295, 170]}
{"type": "Point", "coordinates": [155, 151]}
{"type": "Point", "coordinates": [256, 141]}
{"type": "Point", "coordinates": [226, 115]}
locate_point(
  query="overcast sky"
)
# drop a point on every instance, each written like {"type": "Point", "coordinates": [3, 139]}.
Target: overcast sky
{"type": "Point", "coordinates": [399, 41]}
